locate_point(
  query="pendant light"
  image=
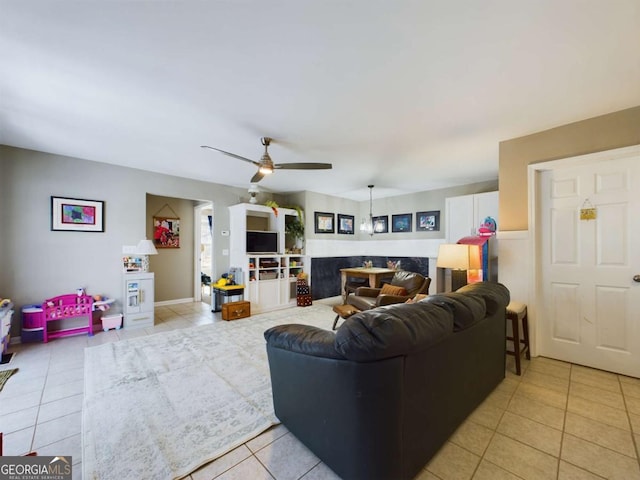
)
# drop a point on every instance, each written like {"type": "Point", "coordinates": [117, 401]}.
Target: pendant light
{"type": "Point", "coordinates": [367, 225]}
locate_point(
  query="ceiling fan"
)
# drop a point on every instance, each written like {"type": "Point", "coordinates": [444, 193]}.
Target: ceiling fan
{"type": "Point", "coordinates": [266, 165]}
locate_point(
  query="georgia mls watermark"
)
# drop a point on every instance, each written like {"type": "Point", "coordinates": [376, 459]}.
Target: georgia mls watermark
{"type": "Point", "coordinates": [35, 468]}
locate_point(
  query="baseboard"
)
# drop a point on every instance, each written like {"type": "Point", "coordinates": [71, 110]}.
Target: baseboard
{"type": "Point", "coordinates": [174, 302]}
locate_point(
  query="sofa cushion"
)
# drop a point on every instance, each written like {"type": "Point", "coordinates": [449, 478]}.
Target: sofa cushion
{"type": "Point", "coordinates": [394, 330]}
{"type": "Point", "coordinates": [362, 302]}
{"type": "Point", "coordinates": [466, 309]}
{"type": "Point", "coordinates": [388, 289]}
{"type": "Point", "coordinates": [495, 295]}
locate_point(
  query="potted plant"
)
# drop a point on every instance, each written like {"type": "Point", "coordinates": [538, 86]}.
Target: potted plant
{"type": "Point", "coordinates": [295, 229]}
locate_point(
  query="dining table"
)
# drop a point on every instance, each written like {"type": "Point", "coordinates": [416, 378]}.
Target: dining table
{"type": "Point", "coordinates": [374, 274]}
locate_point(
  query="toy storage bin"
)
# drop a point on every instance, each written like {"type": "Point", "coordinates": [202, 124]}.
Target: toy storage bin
{"type": "Point", "coordinates": [32, 317]}
{"type": "Point", "coordinates": [29, 335]}
{"type": "Point", "coordinates": [111, 321]}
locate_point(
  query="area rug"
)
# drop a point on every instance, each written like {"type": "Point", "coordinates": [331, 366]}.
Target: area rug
{"type": "Point", "coordinates": [4, 376]}
{"type": "Point", "coordinates": [161, 406]}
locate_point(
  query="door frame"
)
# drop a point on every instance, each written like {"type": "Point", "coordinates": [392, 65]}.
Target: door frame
{"type": "Point", "coordinates": [535, 231]}
{"type": "Point", "coordinates": [197, 217]}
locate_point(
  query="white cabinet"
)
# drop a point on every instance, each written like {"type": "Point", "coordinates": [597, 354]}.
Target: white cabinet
{"type": "Point", "coordinates": [269, 278]}
{"type": "Point", "coordinates": [466, 213]}
{"type": "Point", "coordinates": [138, 303]}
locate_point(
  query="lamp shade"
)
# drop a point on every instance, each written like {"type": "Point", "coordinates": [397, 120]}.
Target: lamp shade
{"type": "Point", "coordinates": [145, 247]}
{"type": "Point", "coordinates": [459, 257]}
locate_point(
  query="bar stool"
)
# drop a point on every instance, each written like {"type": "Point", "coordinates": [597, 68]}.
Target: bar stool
{"type": "Point", "coordinates": [517, 312]}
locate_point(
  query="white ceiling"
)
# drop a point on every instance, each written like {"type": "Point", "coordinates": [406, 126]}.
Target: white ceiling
{"type": "Point", "coordinates": [407, 95]}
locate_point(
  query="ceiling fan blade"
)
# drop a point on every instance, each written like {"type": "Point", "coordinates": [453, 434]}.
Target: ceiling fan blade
{"type": "Point", "coordinates": [257, 177]}
{"type": "Point", "coordinates": [231, 155]}
{"type": "Point", "coordinates": [303, 166]}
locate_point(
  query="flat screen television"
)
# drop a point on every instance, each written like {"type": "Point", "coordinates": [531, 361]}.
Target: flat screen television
{"type": "Point", "coordinates": [262, 242]}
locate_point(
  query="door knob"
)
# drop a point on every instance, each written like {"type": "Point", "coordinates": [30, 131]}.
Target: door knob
{"type": "Point", "coordinates": [636, 278]}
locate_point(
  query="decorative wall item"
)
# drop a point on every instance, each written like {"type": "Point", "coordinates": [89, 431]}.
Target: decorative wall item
{"type": "Point", "coordinates": [428, 221]}
{"type": "Point", "coordinates": [324, 222]}
{"type": "Point", "coordinates": [345, 224]}
{"type": "Point", "coordinates": [381, 224]}
{"type": "Point", "coordinates": [77, 215]}
{"type": "Point", "coordinates": [401, 223]}
{"type": "Point", "coordinates": [166, 232]}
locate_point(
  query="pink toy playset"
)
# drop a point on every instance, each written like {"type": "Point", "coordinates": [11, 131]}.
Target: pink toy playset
{"type": "Point", "coordinates": [65, 307]}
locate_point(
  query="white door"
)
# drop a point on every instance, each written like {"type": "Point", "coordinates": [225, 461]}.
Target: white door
{"type": "Point", "coordinates": [589, 313]}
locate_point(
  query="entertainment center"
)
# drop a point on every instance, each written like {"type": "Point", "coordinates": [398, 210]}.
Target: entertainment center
{"type": "Point", "coordinates": [261, 249]}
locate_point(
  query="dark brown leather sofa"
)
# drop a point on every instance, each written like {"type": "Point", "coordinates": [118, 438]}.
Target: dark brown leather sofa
{"type": "Point", "coordinates": [377, 398]}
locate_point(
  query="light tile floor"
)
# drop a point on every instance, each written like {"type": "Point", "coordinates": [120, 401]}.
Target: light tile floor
{"type": "Point", "coordinates": [556, 421]}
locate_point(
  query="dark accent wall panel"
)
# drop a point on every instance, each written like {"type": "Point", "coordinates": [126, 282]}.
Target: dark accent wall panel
{"type": "Point", "coordinates": [325, 271]}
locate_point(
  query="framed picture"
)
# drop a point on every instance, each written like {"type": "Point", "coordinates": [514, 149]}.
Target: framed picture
{"type": "Point", "coordinates": [381, 224]}
{"type": "Point", "coordinates": [166, 232]}
{"type": "Point", "coordinates": [77, 215]}
{"type": "Point", "coordinates": [345, 224]}
{"type": "Point", "coordinates": [401, 223]}
{"type": "Point", "coordinates": [324, 222]}
{"type": "Point", "coordinates": [428, 221]}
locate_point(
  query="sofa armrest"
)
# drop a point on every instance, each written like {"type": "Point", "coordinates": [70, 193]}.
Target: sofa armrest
{"type": "Point", "coordinates": [303, 339]}
{"type": "Point", "coordinates": [368, 292]}
{"type": "Point", "coordinates": [387, 299]}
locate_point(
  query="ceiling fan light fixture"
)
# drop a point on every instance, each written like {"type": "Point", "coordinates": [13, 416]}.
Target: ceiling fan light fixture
{"type": "Point", "coordinates": [266, 164]}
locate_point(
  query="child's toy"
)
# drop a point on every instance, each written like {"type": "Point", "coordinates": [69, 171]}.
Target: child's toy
{"type": "Point", "coordinates": [487, 228]}
{"type": "Point", "coordinates": [112, 321]}
{"type": "Point", "coordinates": [64, 307]}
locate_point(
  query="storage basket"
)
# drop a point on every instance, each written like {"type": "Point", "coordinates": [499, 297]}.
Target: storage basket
{"type": "Point", "coordinates": [111, 321]}
{"type": "Point", "coordinates": [29, 335]}
{"type": "Point", "coordinates": [32, 316]}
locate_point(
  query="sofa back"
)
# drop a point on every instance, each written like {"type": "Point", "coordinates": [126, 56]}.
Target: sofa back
{"type": "Point", "coordinates": [402, 329]}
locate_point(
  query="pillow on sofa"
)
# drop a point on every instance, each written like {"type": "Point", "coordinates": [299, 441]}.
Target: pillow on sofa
{"type": "Point", "coordinates": [388, 289]}
{"type": "Point", "coordinates": [417, 298]}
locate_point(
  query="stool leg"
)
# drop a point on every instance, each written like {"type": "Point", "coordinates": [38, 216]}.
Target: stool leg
{"type": "Point", "coordinates": [516, 342]}
{"type": "Point", "coordinates": [335, 322]}
{"type": "Point", "coordinates": [525, 334]}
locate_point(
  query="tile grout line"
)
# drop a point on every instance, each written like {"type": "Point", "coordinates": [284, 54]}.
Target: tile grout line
{"type": "Point", "coordinates": [564, 422]}
{"type": "Point", "coordinates": [633, 435]}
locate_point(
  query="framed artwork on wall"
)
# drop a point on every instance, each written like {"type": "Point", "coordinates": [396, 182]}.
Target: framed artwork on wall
{"type": "Point", "coordinates": [381, 224]}
{"type": "Point", "coordinates": [76, 215]}
{"type": "Point", "coordinates": [166, 232]}
{"type": "Point", "coordinates": [428, 221]}
{"type": "Point", "coordinates": [345, 224]}
{"type": "Point", "coordinates": [401, 223]}
{"type": "Point", "coordinates": [323, 222]}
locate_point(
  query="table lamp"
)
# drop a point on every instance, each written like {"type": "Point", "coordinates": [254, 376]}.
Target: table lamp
{"type": "Point", "coordinates": [459, 258]}
{"type": "Point", "coordinates": [145, 248]}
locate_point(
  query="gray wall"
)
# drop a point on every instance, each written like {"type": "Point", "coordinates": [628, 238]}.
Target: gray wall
{"type": "Point", "coordinates": [37, 263]}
